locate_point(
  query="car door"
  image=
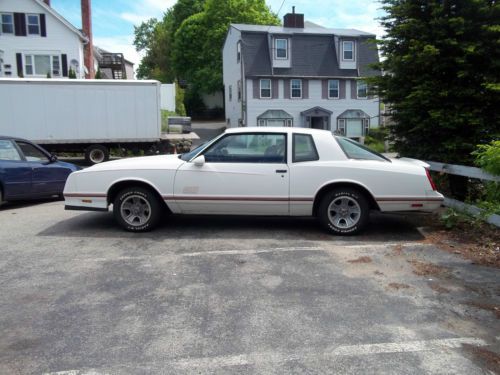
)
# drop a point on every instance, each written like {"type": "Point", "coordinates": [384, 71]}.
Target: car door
{"type": "Point", "coordinates": [243, 173]}
{"type": "Point", "coordinates": [47, 177]}
{"type": "Point", "coordinates": [15, 172]}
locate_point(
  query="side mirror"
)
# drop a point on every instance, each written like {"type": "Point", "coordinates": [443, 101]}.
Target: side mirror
{"type": "Point", "coordinates": [199, 161]}
{"type": "Point", "coordinates": [53, 158]}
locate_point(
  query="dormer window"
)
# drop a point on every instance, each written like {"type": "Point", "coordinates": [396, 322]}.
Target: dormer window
{"type": "Point", "coordinates": [348, 51]}
{"type": "Point", "coordinates": [281, 48]}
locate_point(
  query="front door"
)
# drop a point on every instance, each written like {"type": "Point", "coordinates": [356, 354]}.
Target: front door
{"type": "Point", "coordinates": [15, 172]}
{"type": "Point", "coordinates": [243, 173]}
{"type": "Point", "coordinates": [319, 122]}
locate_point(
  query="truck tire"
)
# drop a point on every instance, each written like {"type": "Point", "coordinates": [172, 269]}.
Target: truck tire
{"type": "Point", "coordinates": [137, 209]}
{"type": "Point", "coordinates": [95, 154]}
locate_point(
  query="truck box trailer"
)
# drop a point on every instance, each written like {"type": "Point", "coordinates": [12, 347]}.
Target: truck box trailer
{"type": "Point", "coordinates": [89, 116]}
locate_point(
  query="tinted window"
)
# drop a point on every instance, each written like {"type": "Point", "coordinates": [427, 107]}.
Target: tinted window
{"type": "Point", "coordinates": [355, 150]}
{"type": "Point", "coordinates": [31, 153]}
{"type": "Point", "coordinates": [304, 148]}
{"type": "Point", "coordinates": [8, 151]}
{"type": "Point", "coordinates": [248, 148]}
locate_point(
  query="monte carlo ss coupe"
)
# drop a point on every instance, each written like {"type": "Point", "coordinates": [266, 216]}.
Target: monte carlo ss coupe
{"type": "Point", "coordinates": [258, 171]}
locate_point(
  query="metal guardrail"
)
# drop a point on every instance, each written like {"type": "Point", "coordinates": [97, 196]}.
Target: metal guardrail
{"type": "Point", "coordinates": [471, 172]}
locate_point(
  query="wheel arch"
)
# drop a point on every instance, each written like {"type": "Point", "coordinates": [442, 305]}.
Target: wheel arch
{"type": "Point", "coordinates": [329, 186]}
{"type": "Point", "coordinates": [119, 185]}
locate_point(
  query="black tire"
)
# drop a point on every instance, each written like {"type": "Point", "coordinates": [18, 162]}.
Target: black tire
{"type": "Point", "coordinates": [95, 154]}
{"type": "Point", "coordinates": [149, 209]}
{"type": "Point", "coordinates": [352, 214]}
{"type": "Point", "coordinates": [1, 197]}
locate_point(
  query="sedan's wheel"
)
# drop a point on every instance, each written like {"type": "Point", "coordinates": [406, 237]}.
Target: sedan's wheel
{"type": "Point", "coordinates": [344, 211]}
{"type": "Point", "coordinates": [137, 209]}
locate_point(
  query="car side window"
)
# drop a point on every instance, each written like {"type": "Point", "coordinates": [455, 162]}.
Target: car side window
{"type": "Point", "coordinates": [248, 148]}
{"type": "Point", "coordinates": [304, 148]}
{"type": "Point", "coordinates": [31, 153]}
{"type": "Point", "coordinates": [8, 151]}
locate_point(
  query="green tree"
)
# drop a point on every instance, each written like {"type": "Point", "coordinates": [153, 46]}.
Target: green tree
{"type": "Point", "coordinates": [198, 42]}
{"type": "Point", "coordinates": [442, 71]}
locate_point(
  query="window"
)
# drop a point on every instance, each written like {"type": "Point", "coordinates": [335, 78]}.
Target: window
{"type": "Point", "coordinates": [355, 150]}
{"type": "Point", "coordinates": [248, 148]}
{"type": "Point", "coordinates": [341, 126]}
{"type": "Point", "coordinates": [230, 92]}
{"type": "Point", "coordinates": [8, 151]}
{"type": "Point", "coordinates": [304, 148]}
{"type": "Point", "coordinates": [238, 52]}
{"type": "Point", "coordinates": [7, 23]}
{"type": "Point", "coordinates": [348, 51]}
{"type": "Point", "coordinates": [296, 88]}
{"type": "Point", "coordinates": [41, 65]}
{"type": "Point", "coordinates": [281, 47]}
{"type": "Point", "coordinates": [366, 126]}
{"type": "Point", "coordinates": [31, 153]}
{"type": "Point", "coordinates": [239, 91]}
{"type": "Point", "coordinates": [33, 24]}
{"type": "Point", "coordinates": [333, 89]}
{"type": "Point", "coordinates": [362, 89]}
{"type": "Point", "coordinates": [265, 88]}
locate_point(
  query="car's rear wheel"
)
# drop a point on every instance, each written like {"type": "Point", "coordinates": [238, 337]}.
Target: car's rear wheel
{"type": "Point", "coordinates": [137, 209]}
{"type": "Point", "coordinates": [344, 211]}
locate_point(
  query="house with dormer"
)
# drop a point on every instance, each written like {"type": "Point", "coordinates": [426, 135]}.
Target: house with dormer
{"type": "Point", "coordinates": [36, 41]}
{"type": "Point", "coordinates": [301, 75]}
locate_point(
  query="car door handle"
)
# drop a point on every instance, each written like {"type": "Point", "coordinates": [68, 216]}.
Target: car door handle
{"type": "Point", "coordinates": [281, 170]}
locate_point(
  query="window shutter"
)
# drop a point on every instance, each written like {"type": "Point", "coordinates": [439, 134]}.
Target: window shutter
{"type": "Point", "coordinates": [324, 89]}
{"type": "Point", "coordinates": [275, 85]}
{"type": "Point", "coordinates": [354, 89]}
{"type": "Point", "coordinates": [286, 88]}
{"type": "Point", "coordinates": [43, 26]}
{"type": "Point", "coordinates": [19, 24]}
{"type": "Point", "coordinates": [342, 89]}
{"type": "Point", "coordinates": [64, 63]}
{"type": "Point", "coordinates": [256, 88]}
{"type": "Point", "coordinates": [19, 61]}
{"type": "Point", "coordinates": [305, 89]}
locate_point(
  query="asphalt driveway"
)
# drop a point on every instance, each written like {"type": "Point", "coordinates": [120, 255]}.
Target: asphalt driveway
{"type": "Point", "coordinates": [233, 295]}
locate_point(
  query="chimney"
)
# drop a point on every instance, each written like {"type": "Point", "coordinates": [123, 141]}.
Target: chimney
{"type": "Point", "coordinates": [293, 20]}
{"type": "Point", "coordinates": [47, 2]}
{"type": "Point", "coordinates": [88, 49]}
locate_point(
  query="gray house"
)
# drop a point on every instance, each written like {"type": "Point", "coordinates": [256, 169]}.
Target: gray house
{"type": "Point", "coordinates": [299, 75]}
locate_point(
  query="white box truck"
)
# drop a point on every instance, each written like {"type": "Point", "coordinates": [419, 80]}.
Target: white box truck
{"type": "Point", "coordinates": [88, 116]}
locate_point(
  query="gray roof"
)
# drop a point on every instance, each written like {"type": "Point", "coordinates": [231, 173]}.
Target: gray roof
{"type": "Point", "coordinates": [313, 53]}
{"type": "Point", "coordinates": [306, 30]}
{"type": "Point", "coordinates": [275, 114]}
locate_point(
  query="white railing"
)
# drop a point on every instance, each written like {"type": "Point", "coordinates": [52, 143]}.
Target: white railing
{"type": "Point", "coordinates": [471, 172]}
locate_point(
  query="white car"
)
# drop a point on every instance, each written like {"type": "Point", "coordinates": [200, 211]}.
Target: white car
{"type": "Point", "coordinates": [258, 171]}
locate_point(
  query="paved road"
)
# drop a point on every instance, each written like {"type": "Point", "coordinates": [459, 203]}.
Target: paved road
{"type": "Point", "coordinates": [213, 295]}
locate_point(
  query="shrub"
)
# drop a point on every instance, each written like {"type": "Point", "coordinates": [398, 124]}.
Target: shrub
{"type": "Point", "coordinates": [487, 157]}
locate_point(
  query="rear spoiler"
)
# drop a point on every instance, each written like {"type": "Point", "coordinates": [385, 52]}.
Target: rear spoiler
{"type": "Point", "coordinates": [416, 162]}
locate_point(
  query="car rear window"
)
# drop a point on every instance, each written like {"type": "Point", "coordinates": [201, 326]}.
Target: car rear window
{"type": "Point", "coordinates": [304, 148]}
{"type": "Point", "coordinates": [8, 151]}
{"type": "Point", "coordinates": [355, 150]}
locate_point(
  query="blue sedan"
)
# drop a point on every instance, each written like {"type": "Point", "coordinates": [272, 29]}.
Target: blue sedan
{"type": "Point", "coordinates": [27, 171]}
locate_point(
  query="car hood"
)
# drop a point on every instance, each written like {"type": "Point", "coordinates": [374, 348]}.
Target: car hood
{"type": "Point", "coordinates": [70, 166]}
{"type": "Point", "coordinates": [144, 162]}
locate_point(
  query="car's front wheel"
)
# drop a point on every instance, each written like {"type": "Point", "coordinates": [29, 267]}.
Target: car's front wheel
{"type": "Point", "coordinates": [344, 211]}
{"type": "Point", "coordinates": [137, 209]}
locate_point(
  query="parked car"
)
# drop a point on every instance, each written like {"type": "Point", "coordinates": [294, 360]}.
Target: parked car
{"type": "Point", "coordinates": [258, 171]}
{"type": "Point", "coordinates": [27, 171]}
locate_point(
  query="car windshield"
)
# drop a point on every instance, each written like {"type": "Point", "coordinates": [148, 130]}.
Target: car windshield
{"type": "Point", "coordinates": [355, 150]}
{"type": "Point", "coordinates": [189, 155]}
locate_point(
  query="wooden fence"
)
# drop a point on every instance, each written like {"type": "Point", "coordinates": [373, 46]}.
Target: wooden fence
{"type": "Point", "coordinates": [470, 172]}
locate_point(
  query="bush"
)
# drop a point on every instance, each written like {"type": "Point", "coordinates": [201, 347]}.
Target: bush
{"type": "Point", "coordinates": [487, 157]}
{"type": "Point", "coordinates": [376, 139]}
{"type": "Point", "coordinates": [164, 119]}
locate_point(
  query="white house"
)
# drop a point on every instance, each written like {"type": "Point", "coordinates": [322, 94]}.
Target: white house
{"type": "Point", "coordinates": [300, 76]}
{"type": "Point", "coordinates": [35, 41]}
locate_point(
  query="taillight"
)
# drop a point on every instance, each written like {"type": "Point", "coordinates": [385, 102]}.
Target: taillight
{"type": "Point", "coordinates": [433, 185]}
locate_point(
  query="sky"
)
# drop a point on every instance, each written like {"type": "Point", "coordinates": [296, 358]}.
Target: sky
{"type": "Point", "coordinates": [113, 20]}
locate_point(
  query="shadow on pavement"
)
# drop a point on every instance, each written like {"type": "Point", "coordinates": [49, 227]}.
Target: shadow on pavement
{"type": "Point", "coordinates": [382, 227]}
{"type": "Point", "coordinates": [14, 205]}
